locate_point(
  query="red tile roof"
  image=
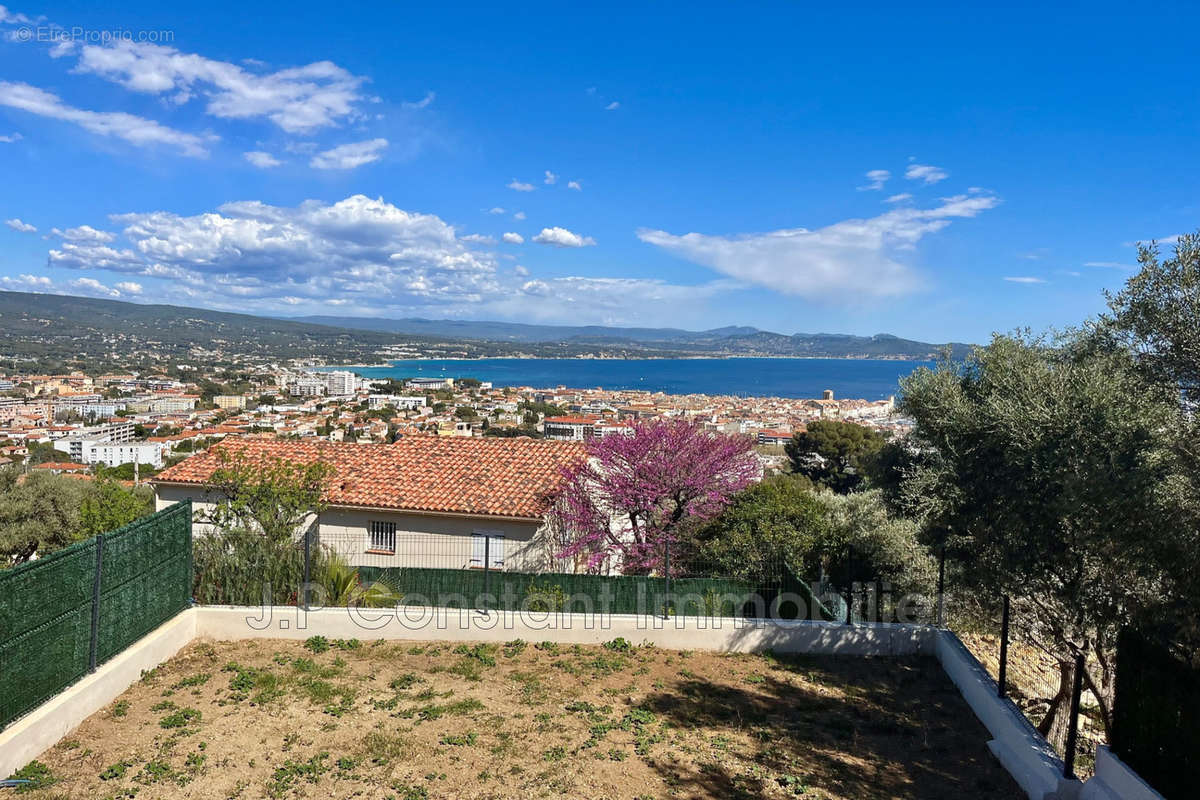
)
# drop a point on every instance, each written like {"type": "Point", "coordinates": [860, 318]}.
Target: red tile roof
{"type": "Point", "coordinates": [478, 475]}
{"type": "Point", "coordinates": [61, 465]}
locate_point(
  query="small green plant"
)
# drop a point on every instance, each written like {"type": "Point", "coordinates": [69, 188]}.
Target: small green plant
{"type": "Point", "coordinates": [286, 776]}
{"type": "Point", "coordinates": [405, 681]}
{"type": "Point", "coordinates": [619, 644]}
{"type": "Point", "coordinates": [316, 644]}
{"type": "Point", "coordinates": [180, 719]}
{"type": "Point", "coordinates": [155, 771]}
{"type": "Point", "coordinates": [114, 771]}
{"type": "Point", "coordinates": [483, 653]}
{"type": "Point", "coordinates": [459, 740]}
{"type": "Point", "coordinates": [410, 792]}
{"type": "Point", "coordinates": [198, 679]}
{"type": "Point", "coordinates": [557, 753]}
{"type": "Point", "coordinates": [121, 708]}
{"type": "Point", "coordinates": [514, 648]}
{"type": "Point", "coordinates": [38, 775]}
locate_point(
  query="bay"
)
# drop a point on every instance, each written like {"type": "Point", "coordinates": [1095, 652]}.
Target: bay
{"type": "Point", "coordinates": [762, 377]}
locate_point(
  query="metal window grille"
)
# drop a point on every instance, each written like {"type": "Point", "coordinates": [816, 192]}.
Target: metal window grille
{"type": "Point", "coordinates": [383, 537]}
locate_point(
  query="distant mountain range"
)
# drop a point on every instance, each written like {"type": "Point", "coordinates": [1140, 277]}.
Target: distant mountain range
{"type": "Point", "coordinates": [54, 331]}
{"type": "Point", "coordinates": [732, 340]}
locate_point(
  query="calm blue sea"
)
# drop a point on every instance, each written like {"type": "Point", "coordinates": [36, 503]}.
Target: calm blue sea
{"type": "Point", "coordinates": [768, 377]}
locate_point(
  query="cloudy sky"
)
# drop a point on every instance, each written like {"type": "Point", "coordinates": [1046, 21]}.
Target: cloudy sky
{"type": "Point", "coordinates": [930, 172]}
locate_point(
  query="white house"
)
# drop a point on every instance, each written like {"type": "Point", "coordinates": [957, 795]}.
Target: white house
{"type": "Point", "coordinates": [424, 501]}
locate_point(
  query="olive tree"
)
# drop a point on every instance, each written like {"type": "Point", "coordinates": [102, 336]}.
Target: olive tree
{"type": "Point", "coordinates": [1046, 470]}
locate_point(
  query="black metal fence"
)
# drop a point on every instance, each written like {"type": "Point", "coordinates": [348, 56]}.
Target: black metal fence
{"type": "Point", "coordinates": [1156, 714]}
{"type": "Point", "coordinates": [990, 630]}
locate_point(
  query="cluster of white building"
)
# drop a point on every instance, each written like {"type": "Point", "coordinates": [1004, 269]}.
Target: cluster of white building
{"type": "Point", "coordinates": [111, 444]}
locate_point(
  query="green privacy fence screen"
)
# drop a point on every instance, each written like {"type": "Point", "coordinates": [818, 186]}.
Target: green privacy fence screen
{"type": "Point", "coordinates": [62, 615]}
{"type": "Point", "coordinates": [616, 594]}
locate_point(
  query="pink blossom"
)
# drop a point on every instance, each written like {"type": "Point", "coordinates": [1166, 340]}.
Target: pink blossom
{"type": "Point", "coordinates": [627, 501]}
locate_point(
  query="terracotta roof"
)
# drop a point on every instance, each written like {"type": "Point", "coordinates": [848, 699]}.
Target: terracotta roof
{"type": "Point", "coordinates": [477, 475]}
{"type": "Point", "coordinates": [62, 465]}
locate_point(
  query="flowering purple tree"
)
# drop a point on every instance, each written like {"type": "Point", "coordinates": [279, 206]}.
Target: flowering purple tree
{"type": "Point", "coordinates": [627, 501]}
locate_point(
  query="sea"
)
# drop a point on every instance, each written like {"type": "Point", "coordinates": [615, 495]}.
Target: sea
{"type": "Point", "coordinates": [747, 377]}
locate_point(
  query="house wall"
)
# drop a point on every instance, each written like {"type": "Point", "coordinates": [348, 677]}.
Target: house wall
{"type": "Point", "coordinates": [422, 540]}
{"type": "Point", "coordinates": [431, 541]}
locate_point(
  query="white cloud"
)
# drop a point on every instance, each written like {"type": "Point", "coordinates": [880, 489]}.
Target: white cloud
{"type": "Point", "coordinates": [551, 178]}
{"type": "Point", "coordinates": [877, 178]}
{"type": "Point", "coordinates": [424, 102]}
{"type": "Point", "coordinates": [574, 185]}
{"type": "Point", "coordinates": [93, 287]}
{"type": "Point", "coordinates": [519, 215]}
{"type": "Point", "coordinates": [517, 186]}
{"type": "Point", "coordinates": [357, 248]}
{"type": "Point", "coordinates": [613, 106]}
{"type": "Point", "coordinates": [11, 138]}
{"type": "Point", "coordinates": [17, 225]}
{"type": "Point", "coordinates": [1024, 279]}
{"type": "Point", "coordinates": [1108, 265]}
{"type": "Point", "coordinates": [513, 238]}
{"type": "Point", "coordinates": [360, 255]}
{"type": "Point", "coordinates": [561, 237]}
{"type": "Point", "coordinates": [27, 283]}
{"type": "Point", "coordinates": [899, 198]}
{"type": "Point", "coordinates": [128, 287]}
{"type": "Point", "coordinates": [261, 159]}
{"type": "Point", "coordinates": [478, 238]}
{"type": "Point", "coordinates": [11, 18]}
{"type": "Point", "coordinates": [84, 234]}
{"type": "Point", "coordinates": [845, 261]}
{"type": "Point", "coordinates": [925, 173]}
{"type": "Point", "coordinates": [133, 129]}
{"type": "Point", "coordinates": [349, 156]}
{"type": "Point", "coordinates": [496, 210]}
{"type": "Point", "coordinates": [297, 99]}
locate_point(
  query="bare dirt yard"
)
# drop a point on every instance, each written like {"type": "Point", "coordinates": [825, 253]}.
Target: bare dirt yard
{"type": "Point", "coordinates": [343, 719]}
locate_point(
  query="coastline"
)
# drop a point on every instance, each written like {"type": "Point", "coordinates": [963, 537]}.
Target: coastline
{"type": "Point", "coordinates": [779, 376]}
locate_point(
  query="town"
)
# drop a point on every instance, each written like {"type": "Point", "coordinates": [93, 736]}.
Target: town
{"type": "Point", "coordinates": [77, 423]}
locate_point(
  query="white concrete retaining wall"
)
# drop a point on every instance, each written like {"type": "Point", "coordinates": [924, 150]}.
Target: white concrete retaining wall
{"type": "Point", "coordinates": [1018, 746]}
{"type": "Point", "coordinates": [682, 633]}
{"type": "Point", "coordinates": [42, 728]}
{"type": "Point", "coordinates": [1114, 780]}
{"type": "Point", "coordinates": [1026, 755]}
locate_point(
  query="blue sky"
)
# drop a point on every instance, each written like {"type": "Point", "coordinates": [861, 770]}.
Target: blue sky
{"type": "Point", "coordinates": [934, 172]}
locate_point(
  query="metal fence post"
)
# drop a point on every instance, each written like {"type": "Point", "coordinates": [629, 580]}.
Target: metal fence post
{"type": "Point", "coordinates": [304, 588]}
{"type": "Point", "coordinates": [1073, 722]}
{"type": "Point", "coordinates": [941, 599]}
{"type": "Point", "coordinates": [94, 641]}
{"type": "Point", "coordinates": [487, 569]}
{"type": "Point", "coordinates": [667, 574]}
{"type": "Point", "coordinates": [849, 585]}
{"type": "Point", "coordinates": [1002, 686]}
